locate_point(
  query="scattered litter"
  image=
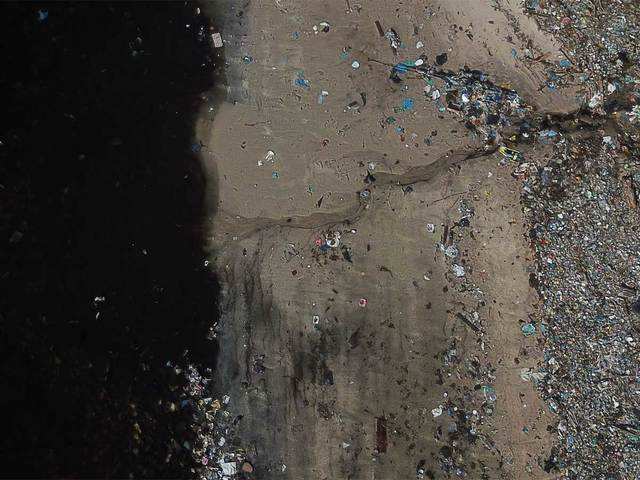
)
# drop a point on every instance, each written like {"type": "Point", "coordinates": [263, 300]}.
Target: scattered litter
{"type": "Point", "coordinates": [436, 412]}
{"type": "Point", "coordinates": [355, 64]}
{"type": "Point", "coordinates": [362, 302]}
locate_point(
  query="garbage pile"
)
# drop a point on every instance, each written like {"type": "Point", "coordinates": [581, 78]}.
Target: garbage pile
{"type": "Point", "coordinates": [213, 427]}
{"type": "Point", "coordinates": [600, 41]}
{"type": "Point", "coordinates": [585, 228]}
{"type": "Point", "coordinates": [583, 207]}
{"type": "Point", "coordinates": [486, 107]}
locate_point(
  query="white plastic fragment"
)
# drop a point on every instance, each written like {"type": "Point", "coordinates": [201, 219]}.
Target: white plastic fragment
{"type": "Point", "coordinates": [458, 270]}
{"type": "Point", "coordinates": [269, 157]}
{"type": "Point", "coordinates": [451, 251]}
{"type": "Point", "coordinates": [595, 100]}
{"type": "Point", "coordinates": [229, 469]}
{"type": "Point", "coordinates": [217, 40]}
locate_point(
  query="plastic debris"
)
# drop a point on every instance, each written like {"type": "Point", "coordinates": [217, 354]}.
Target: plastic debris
{"type": "Point", "coordinates": [321, 97]}
{"type": "Point", "coordinates": [458, 270]}
{"type": "Point", "coordinates": [229, 469]}
{"type": "Point", "coordinates": [595, 101]}
{"type": "Point", "coordinates": [394, 39]}
{"type": "Point", "coordinates": [451, 251]}
{"type": "Point", "coordinates": [300, 81]}
{"type": "Point", "coordinates": [332, 239]}
{"type": "Point", "coordinates": [407, 104]}
{"type": "Point", "coordinates": [216, 38]}
{"type": "Point", "coordinates": [442, 59]}
{"type": "Point", "coordinates": [528, 374]}
{"type": "Point", "coordinates": [269, 157]}
{"type": "Point", "coordinates": [509, 153]}
{"type": "Point", "coordinates": [528, 329]}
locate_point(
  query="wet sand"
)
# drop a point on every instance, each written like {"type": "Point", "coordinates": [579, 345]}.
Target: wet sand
{"type": "Point", "coordinates": [327, 388]}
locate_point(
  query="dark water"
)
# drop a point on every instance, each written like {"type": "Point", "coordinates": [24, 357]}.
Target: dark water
{"type": "Point", "coordinates": [101, 196]}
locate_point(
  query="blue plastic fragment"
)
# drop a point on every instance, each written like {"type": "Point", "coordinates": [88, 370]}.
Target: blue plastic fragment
{"type": "Point", "coordinates": [407, 104]}
{"type": "Point", "coordinates": [403, 67]}
{"type": "Point", "coordinates": [42, 15]}
{"type": "Point", "coordinates": [301, 81]}
{"type": "Point", "coordinates": [564, 63]}
{"type": "Point", "coordinates": [548, 133]}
